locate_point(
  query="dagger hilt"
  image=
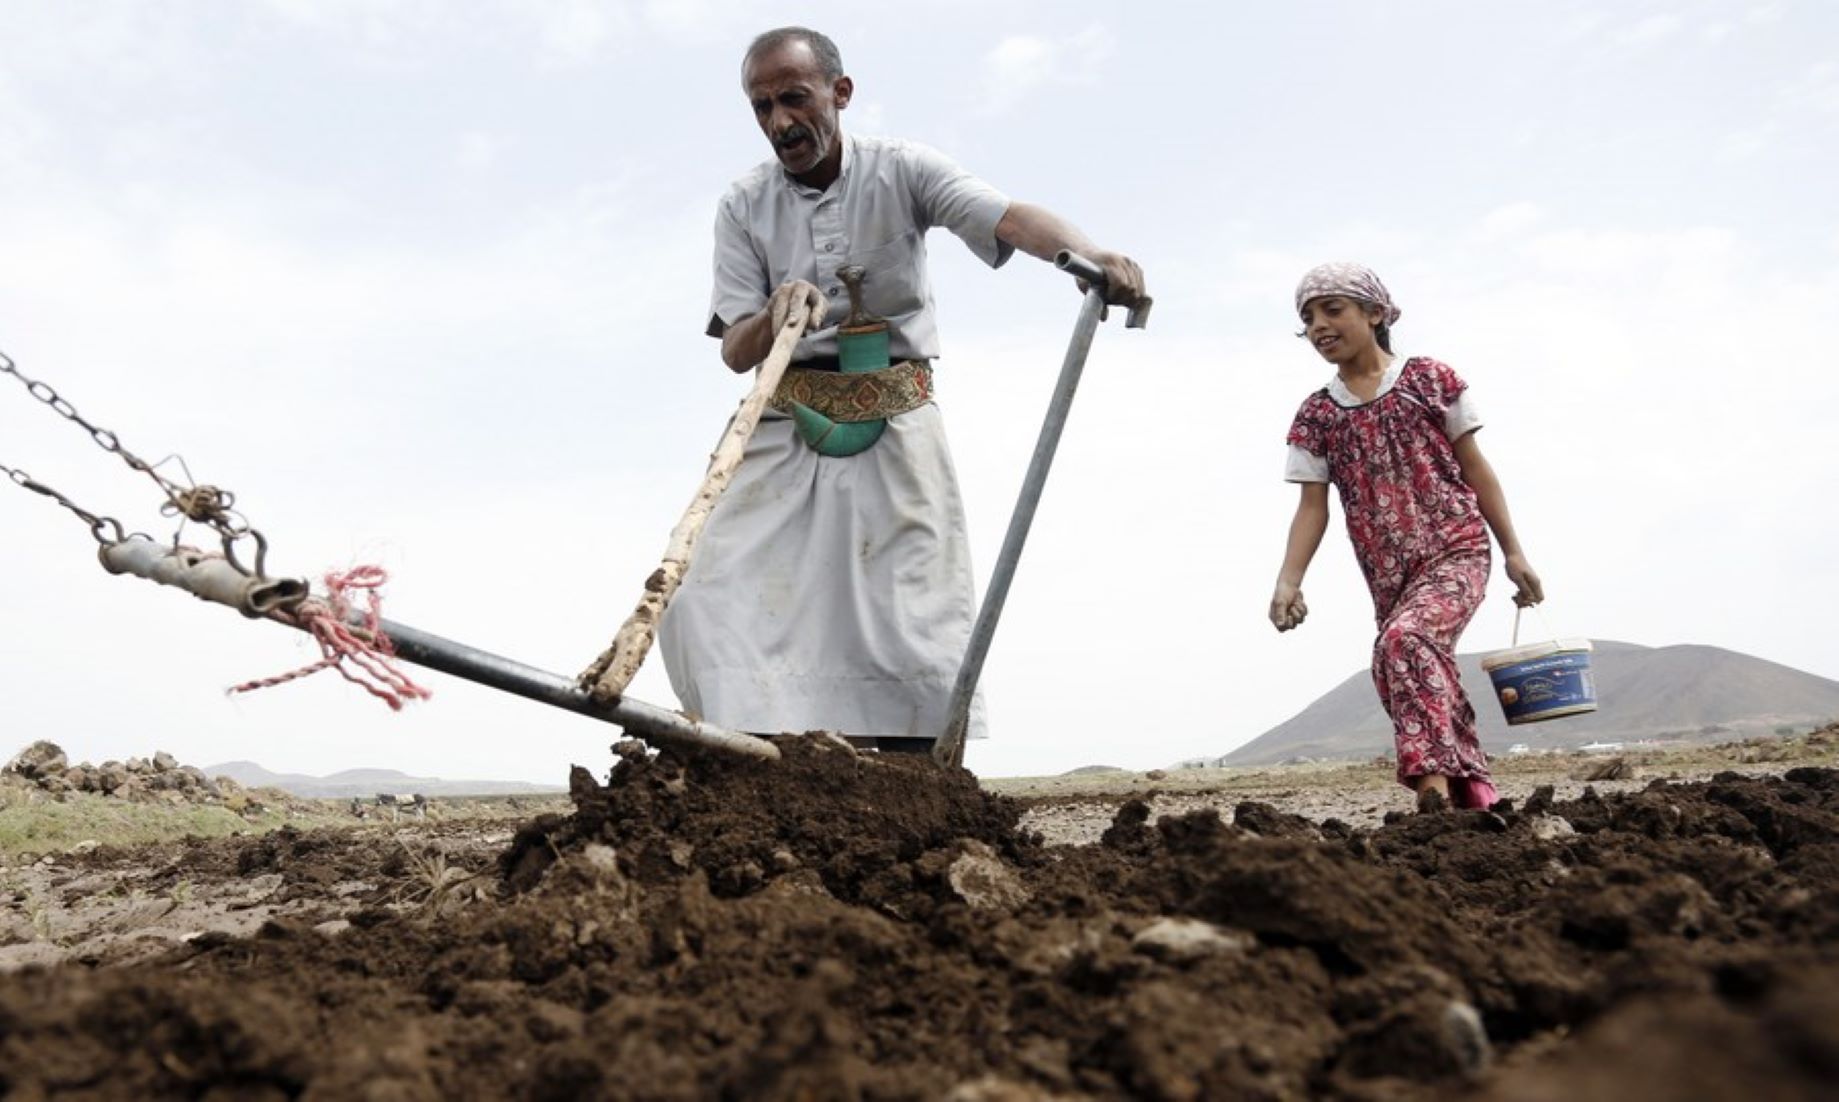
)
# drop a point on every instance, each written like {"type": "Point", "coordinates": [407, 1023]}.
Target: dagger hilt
{"type": "Point", "coordinates": [853, 276]}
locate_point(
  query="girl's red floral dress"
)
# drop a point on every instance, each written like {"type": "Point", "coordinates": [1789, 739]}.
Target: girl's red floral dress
{"type": "Point", "coordinates": [1423, 545]}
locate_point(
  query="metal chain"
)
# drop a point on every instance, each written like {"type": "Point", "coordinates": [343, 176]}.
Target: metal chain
{"type": "Point", "coordinates": [96, 523]}
{"type": "Point", "coordinates": [204, 504]}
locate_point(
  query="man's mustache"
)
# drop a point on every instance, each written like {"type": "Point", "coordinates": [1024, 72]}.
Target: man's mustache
{"type": "Point", "coordinates": [795, 134]}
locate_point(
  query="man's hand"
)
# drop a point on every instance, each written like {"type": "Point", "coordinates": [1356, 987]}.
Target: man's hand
{"type": "Point", "coordinates": [795, 294]}
{"type": "Point", "coordinates": [1288, 609]}
{"type": "Point", "coordinates": [1124, 284]}
{"type": "Point", "coordinates": [1041, 233]}
{"type": "Point", "coordinates": [747, 343]}
{"type": "Point", "coordinates": [1520, 572]}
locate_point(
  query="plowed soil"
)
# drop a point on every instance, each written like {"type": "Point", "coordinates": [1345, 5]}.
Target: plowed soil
{"type": "Point", "coordinates": [872, 927]}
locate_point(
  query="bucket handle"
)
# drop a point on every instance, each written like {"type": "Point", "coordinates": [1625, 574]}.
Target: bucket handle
{"type": "Point", "coordinates": [1518, 610]}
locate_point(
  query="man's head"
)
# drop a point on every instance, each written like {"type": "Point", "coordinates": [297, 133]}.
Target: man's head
{"type": "Point", "coordinates": [794, 79]}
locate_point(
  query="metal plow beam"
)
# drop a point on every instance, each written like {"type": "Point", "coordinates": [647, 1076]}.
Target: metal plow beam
{"type": "Point", "coordinates": [212, 578]}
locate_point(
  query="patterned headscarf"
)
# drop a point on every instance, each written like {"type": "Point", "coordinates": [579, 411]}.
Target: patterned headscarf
{"type": "Point", "coordinates": [1349, 280]}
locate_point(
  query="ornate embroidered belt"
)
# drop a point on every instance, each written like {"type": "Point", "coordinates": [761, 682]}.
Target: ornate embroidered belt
{"type": "Point", "coordinates": [863, 396]}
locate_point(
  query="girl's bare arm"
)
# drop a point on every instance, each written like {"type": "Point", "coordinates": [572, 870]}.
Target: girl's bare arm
{"type": "Point", "coordinates": [1306, 529]}
{"type": "Point", "coordinates": [1479, 474]}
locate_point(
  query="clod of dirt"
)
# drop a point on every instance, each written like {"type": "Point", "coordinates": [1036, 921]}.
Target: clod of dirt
{"type": "Point", "coordinates": [979, 877]}
{"type": "Point", "coordinates": [858, 821]}
{"type": "Point", "coordinates": [1267, 822]}
{"type": "Point", "coordinates": [1540, 801]}
{"type": "Point", "coordinates": [1549, 828]}
{"type": "Point", "coordinates": [1614, 769]}
{"type": "Point", "coordinates": [1182, 940]}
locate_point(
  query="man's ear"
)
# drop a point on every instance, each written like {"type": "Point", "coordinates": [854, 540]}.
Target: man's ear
{"type": "Point", "coordinates": [842, 90]}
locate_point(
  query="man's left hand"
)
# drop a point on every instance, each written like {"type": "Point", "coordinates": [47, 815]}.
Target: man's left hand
{"type": "Point", "coordinates": [1041, 233]}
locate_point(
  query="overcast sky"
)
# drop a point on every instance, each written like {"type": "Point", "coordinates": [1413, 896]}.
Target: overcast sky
{"type": "Point", "coordinates": [424, 283]}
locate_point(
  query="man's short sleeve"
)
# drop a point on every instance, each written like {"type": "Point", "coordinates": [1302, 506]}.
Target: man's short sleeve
{"type": "Point", "coordinates": [740, 271]}
{"type": "Point", "coordinates": [944, 194]}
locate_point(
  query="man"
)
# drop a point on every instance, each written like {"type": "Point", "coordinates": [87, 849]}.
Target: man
{"type": "Point", "coordinates": [835, 593]}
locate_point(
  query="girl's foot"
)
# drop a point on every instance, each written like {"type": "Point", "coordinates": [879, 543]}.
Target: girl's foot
{"type": "Point", "coordinates": [1433, 793]}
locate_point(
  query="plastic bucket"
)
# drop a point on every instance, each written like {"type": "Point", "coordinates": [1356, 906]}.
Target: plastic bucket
{"type": "Point", "coordinates": [1542, 681]}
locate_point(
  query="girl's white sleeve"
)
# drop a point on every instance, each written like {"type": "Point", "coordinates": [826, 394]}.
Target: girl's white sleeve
{"type": "Point", "coordinates": [1462, 417]}
{"type": "Point", "coordinates": [1304, 465]}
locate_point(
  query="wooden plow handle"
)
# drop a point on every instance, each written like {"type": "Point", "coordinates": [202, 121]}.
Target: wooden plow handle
{"type": "Point", "coordinates": [609, 675]}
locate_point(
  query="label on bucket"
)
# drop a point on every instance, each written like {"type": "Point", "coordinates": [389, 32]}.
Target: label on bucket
{"type": "Point", "coordinates": [1545, 688]}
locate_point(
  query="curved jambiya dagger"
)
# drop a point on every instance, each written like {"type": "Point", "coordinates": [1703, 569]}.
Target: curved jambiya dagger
{"type": "Point", "coordinates": [862, 345]}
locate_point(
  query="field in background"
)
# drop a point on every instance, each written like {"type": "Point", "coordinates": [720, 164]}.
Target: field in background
{"type": "Point", "coordinates": [33, 824]}
{"type": "Point", "coordinates": [1071, 808]}
{"type": "Point", "coordinates": [1075, 808]}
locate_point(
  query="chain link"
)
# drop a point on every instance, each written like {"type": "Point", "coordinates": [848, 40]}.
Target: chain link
{"type": "Point", "coordinates": [96, 523]}
{"type": "Point", "coordinates": [207, 505]}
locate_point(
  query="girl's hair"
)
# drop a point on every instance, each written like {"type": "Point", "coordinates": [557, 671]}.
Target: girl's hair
{"type": "Point", "coordinates": [1381, 332]}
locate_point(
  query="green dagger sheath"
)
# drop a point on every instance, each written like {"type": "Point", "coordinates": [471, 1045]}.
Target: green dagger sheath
{"type": "Point", "coordinates": [862, 345]}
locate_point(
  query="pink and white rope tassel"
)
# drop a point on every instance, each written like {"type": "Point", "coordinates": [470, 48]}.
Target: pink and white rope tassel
{"type": "Point", "coordinates": [364, 662]}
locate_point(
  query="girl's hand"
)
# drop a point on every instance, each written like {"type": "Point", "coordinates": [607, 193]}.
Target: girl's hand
{"type": "Point", "coordinates": [1287, 607]}
{"type": "Point", "coordinates": [1520, 573]}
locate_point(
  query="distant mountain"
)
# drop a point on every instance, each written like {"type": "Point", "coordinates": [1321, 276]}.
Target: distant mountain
{"type": "Point", "coordinates": [367, 782]}
{"type": "Point", "coordinates": [1678, 692]}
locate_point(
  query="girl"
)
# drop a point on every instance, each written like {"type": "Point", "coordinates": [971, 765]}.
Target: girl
{"type": "Point", "coordinates": [1396, 436]}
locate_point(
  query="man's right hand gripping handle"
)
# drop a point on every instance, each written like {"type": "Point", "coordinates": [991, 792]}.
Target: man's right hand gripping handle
{"type": "Point", "coordinates": [794, 294]}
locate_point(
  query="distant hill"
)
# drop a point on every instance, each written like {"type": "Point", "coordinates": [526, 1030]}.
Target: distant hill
{"type": "Point", "coordinates": [367, 782]}
{"type": "Point", "coordinates": [1678, 692]}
